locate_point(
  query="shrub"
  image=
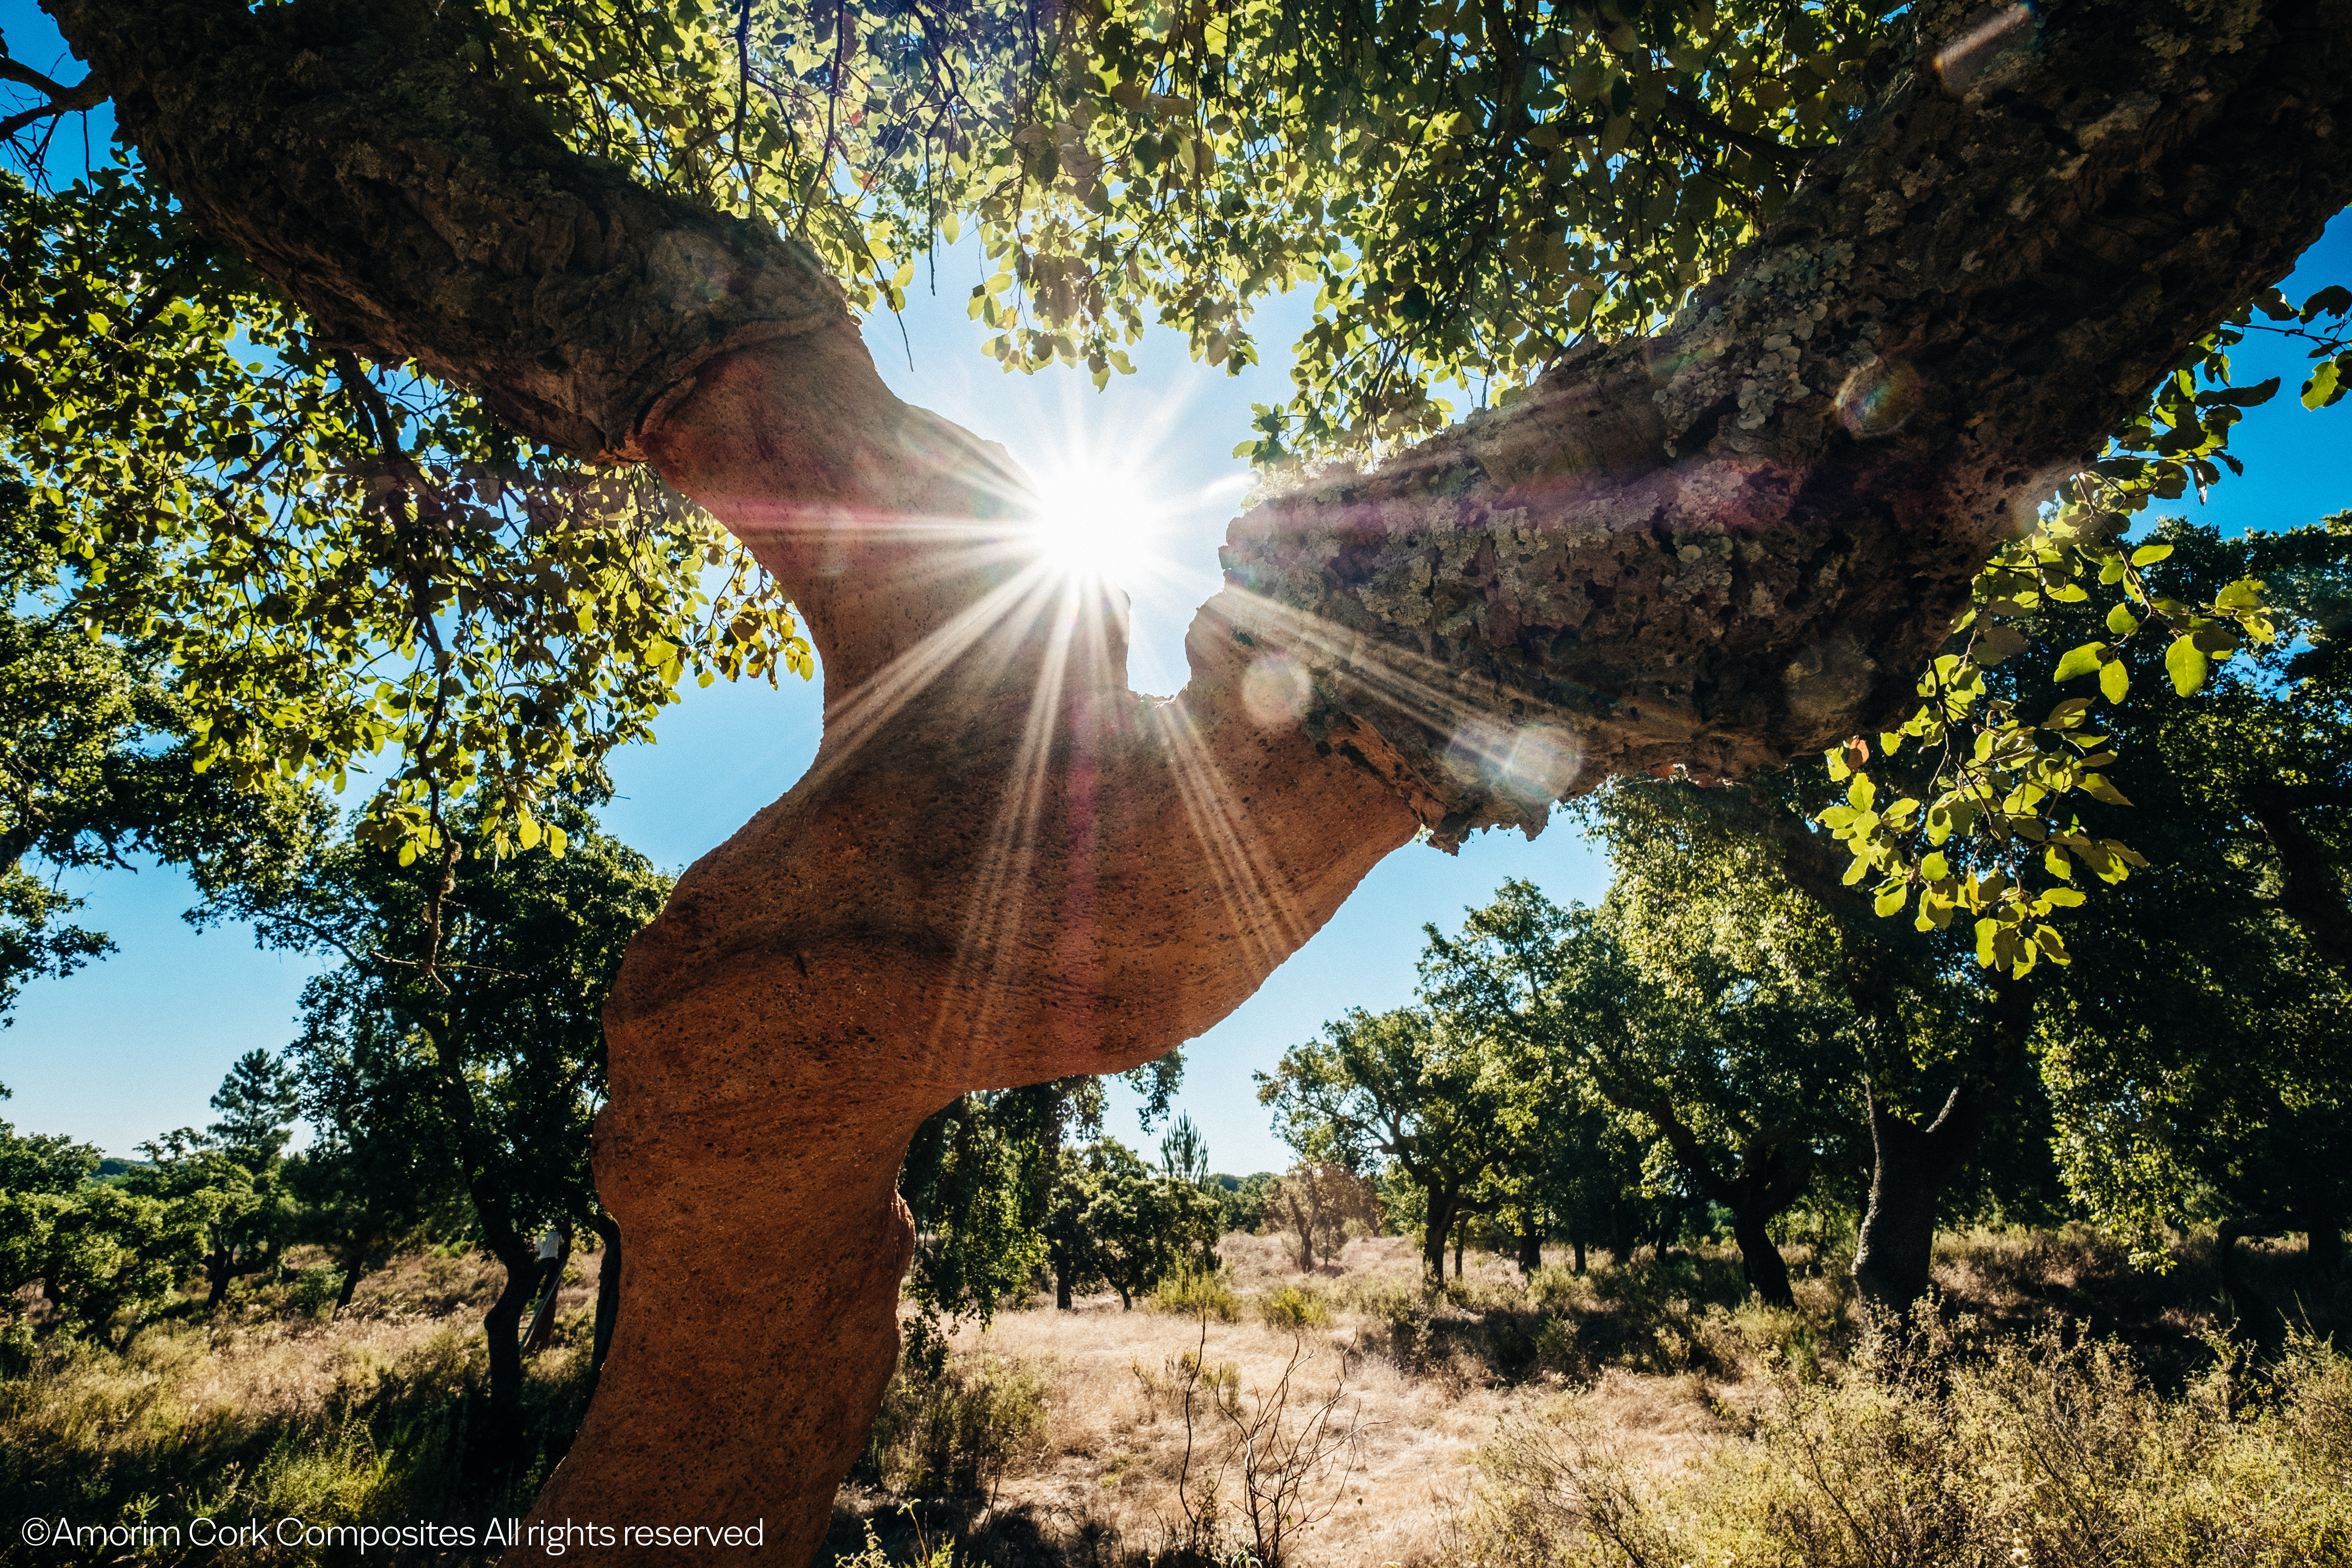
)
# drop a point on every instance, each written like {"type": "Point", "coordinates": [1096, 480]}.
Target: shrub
{"type": "Point", "coordinates": [955, 1432]}
{"type": "Point", "coordinates": [1192, 1291]}
{"type": "Point", "coordinates": [1559, 1289]}
{"type": "Point", "coordinates": [1928, 1448]}
{"type": "Point", "coordinates": [1289, 1307]}
{"type": "Point", "coordinates": [94, 1434]}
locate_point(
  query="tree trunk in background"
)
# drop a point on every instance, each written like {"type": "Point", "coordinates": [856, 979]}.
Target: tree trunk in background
{"type": "Point", "coordinates": [1723, 547]}
{"type": "Point", "coordinates": [1576, 1240]}
{"type": "Point", "coordinates": [1912, 1165]}
{"type": "Point", "coordinates": [2324, 1241]}
{"type": "Point", "coordinates": [1530, 1241]}
{"type": "Point", "coordinates": [2310, 893]}
{"type": "Point", "coordinates": [542, 1317]}
{"type": "Point", "coordinates": [1670, 1227]}
{"type": "Point", "coordinates": [1759, 1259]}
{"type": "Point", "coordinates": [496, 1451]}
{"type": "Point", "coordinates": [1435, 1225]}
{"type": "Point", "coordinates": [608, 1291]}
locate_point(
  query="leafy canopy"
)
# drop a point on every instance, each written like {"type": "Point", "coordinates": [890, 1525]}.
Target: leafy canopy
{"type": "Point", "coordinates": [344, 562]}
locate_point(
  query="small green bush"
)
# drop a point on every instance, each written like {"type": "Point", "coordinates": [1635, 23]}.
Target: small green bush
{"type": "Point", "coordinates": [311, 1292]}
{"type": "Point", "coordinates": [1192, 1291]}
{"type": "Point", "coordinates": [1291, 1307]}
{"type": "Point", "coordinates": [955, 1433]}
{"type": "Point", "coordinates": [1559, 1289]}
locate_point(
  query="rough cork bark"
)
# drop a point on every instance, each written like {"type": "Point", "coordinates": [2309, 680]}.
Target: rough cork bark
{"type": "Point", "coordinates": [1717, 547]}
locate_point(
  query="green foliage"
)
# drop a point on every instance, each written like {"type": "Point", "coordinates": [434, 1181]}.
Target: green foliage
{"type": "Point", "coordinates": [95, 764]}
{"type": "Point", "coordinates": [2194, 1051]}
{"type": "Point", "coordinates": [1240, 1200]}
{"type": "Point", "coordinates": [1125, 1224]}
{"type": "Point", "coordinates": [976, 1179]}
{"type": "Point", "coordinates": [335, 561]}
{"type": "Point", "coordinates": [1468, 190]}
{"type": "Point", "coordinates": [1293, 1308]}
{"type": "Point", "coordinates": [103, 1259]}
{"type": "Point", "coordinates": [1984, 819]}
{"type": "Point", "coordinates": [1191, 1291]}
{"type": "Point", "coordinates": [1707, 1033]}
{"type": "Point", "coordinates": [1001, 1190]}
{"type": "Point", "coordinates": [1402, 1086]}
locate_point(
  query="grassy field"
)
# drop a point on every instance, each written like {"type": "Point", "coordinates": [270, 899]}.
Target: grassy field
{"type": "Point", "coordinates": [2057, 1408]}
{"type": "Point", "coordinates": [1641, 1416]}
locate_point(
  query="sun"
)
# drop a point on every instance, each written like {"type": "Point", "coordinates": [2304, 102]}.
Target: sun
{"type": "Point", "coordinates": [1094, 522]}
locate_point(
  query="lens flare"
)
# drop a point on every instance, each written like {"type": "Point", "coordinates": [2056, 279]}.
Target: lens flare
{"type": "Point", "coordinates": [1094, 522]}
{"type": "Point", "coordinates": [1879, 396]}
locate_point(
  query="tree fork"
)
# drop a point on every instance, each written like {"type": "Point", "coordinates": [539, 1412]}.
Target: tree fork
{"type": "Point", "coordinates": [1719, 548]}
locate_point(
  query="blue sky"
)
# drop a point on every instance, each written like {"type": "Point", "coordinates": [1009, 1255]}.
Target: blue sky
{"type": "Point", "coordinates": [134, 1045]}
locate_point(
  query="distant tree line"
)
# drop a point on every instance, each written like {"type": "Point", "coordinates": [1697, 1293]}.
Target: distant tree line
{"type": "Point", "coordinates": [449, 1063]}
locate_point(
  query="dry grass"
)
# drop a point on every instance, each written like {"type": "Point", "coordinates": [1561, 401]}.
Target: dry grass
{"type": "Point", "coordinates": [1422, 1384]}
{"type": "Point", "coordinates": [268, 1409]}
{"type": "Point", "coordinates": [1068, 1441]}
{"type": "Point", "coordinates": [1662, 1375]}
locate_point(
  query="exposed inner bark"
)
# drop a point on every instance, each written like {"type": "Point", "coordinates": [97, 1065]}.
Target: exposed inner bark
{"type": "Point", "coordinates": [1718, 547]}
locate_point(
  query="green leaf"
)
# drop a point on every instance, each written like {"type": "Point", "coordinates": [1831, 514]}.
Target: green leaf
{"type": "Point", "coordinates": [2185, 663]}
{"type": "Point", "coordinates": [2115, 680]}
{"type": "Point", "coordinates": [1891, 898]}
{"type": "Point", "coordinates": [2148, 555]}
{"type": "Point", "coordinates": [2080, 661]}
{"type": "Point", "coordinates": [2326, 383]}
{"type": "Point", "coordinates": [2122, 622]}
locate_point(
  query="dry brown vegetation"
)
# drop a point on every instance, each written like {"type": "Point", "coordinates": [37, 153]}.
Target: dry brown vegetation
{"type": "Point", "coordinates": [1626, 1417]}
{"type": "Point", "coordinates": [1634, 1416]}
{"type": "Point", "coordinates": [275, 1406]}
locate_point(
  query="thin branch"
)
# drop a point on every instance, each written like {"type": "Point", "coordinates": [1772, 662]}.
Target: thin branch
{"type": "Point", "coordinates": [88, 93]}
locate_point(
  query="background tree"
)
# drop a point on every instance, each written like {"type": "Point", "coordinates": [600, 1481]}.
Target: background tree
{"type": "Point", "coordinates": [1316, 1203]}
{"type": "Point", "coordinates": [1724, 1050]}
{"type": "Point", "coordinates": [97, 766]}
{"type": "Point", "coordinates": [379, 1174]}
{"type": "Point", "coordinates": [1400, 1086]}
{"type": "Point", "coordinates": [1939, 1043]}
{"type": "Point", "coordinates": [482, 977]}
{"type": "Point", "coordinates": [103, 1258]}
{"type": "Point", "coordinates": [2196, 1047]}
{"type": "Point", "coordinates": [233, 1169]}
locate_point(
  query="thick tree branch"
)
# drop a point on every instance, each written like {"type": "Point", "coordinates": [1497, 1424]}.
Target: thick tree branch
{"type": "Point", "coordinates": [1738, 540]}
{"type": "Point", "coordinates": [58, 98]}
